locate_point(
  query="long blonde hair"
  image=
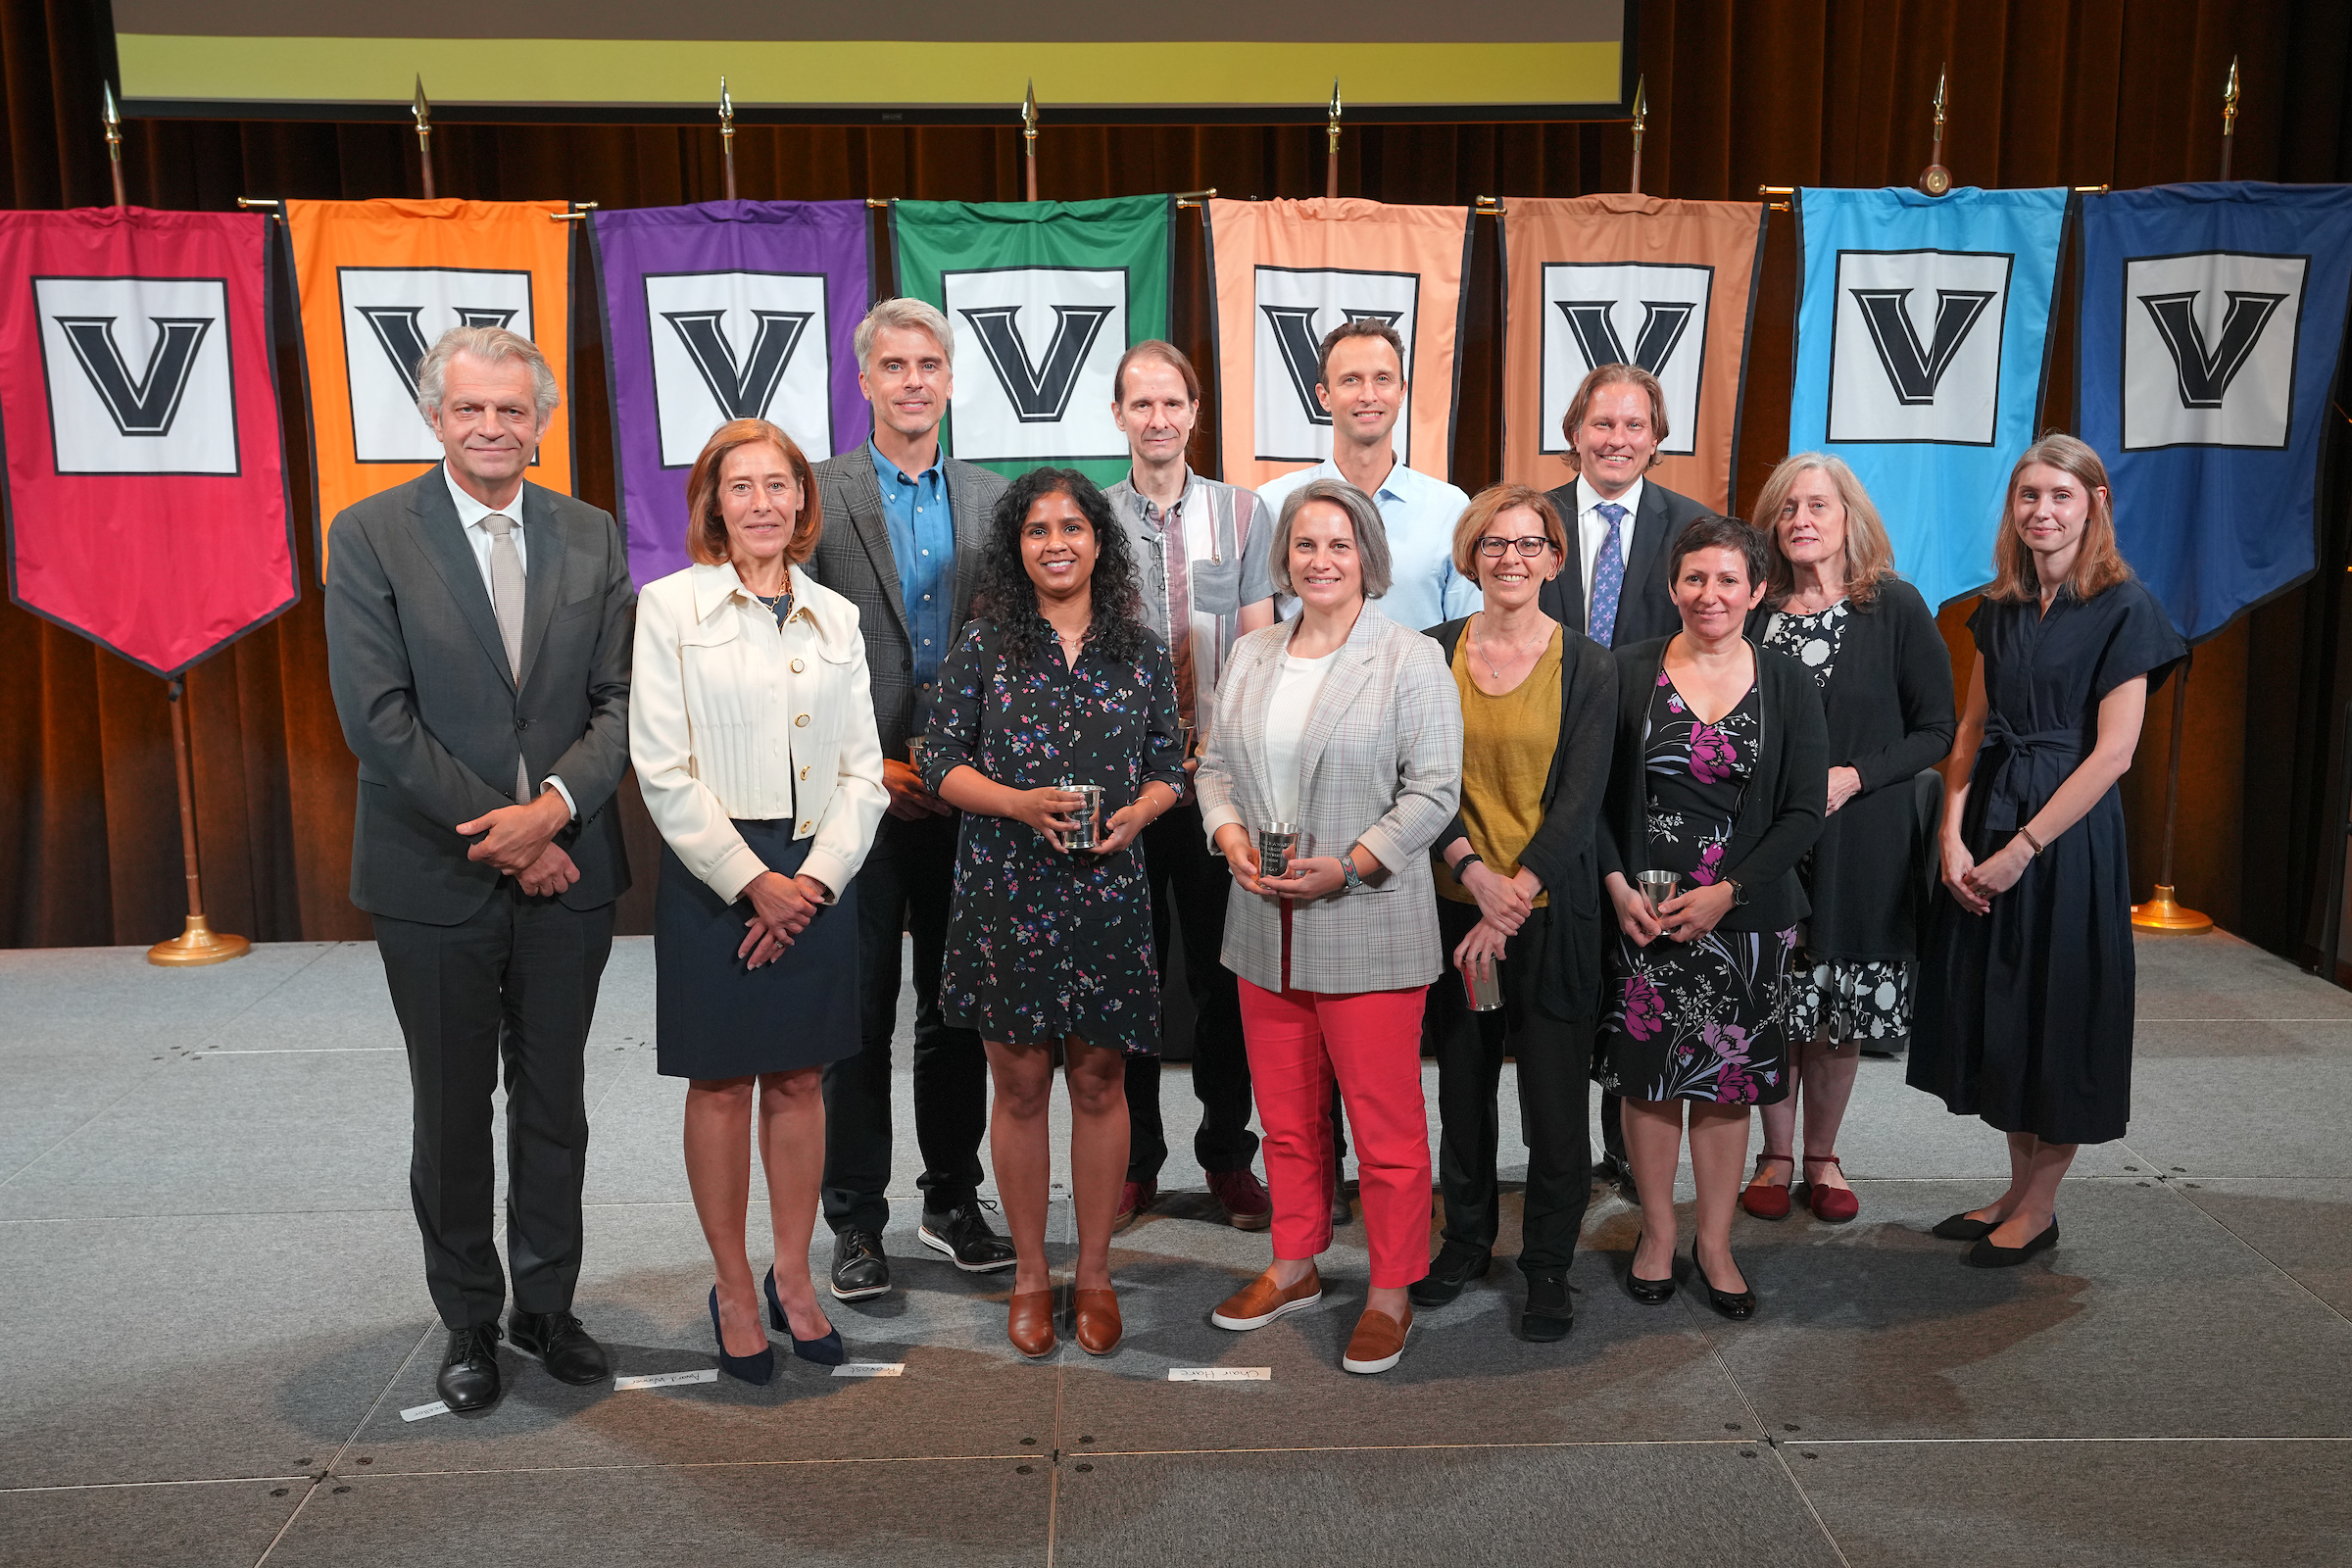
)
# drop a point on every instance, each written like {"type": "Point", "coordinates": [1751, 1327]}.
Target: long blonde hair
{"type": "Point", "coordinates": [1869, 554]}
{"type": "Point", "coordinates": [2099, 563]}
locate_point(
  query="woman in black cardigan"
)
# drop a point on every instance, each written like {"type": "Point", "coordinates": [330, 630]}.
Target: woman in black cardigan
{"type": "Point", "coordinates": [1719, 778]}
{"type": "Point", "coordinates": [1517, 888]}
{"type": "Point", "coordinates": [1832, 602]}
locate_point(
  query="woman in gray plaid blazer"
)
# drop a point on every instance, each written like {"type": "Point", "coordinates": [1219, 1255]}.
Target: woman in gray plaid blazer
{"type": "Point", "coordinates": [1347, 725]}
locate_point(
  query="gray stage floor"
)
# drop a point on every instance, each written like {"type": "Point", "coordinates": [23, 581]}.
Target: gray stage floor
{"type": "Point", "coordinates": [215, 1319]}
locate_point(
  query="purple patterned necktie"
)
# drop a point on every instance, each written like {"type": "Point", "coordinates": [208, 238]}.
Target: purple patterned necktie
{"type": "Point", "coordinates": [1608, 576]}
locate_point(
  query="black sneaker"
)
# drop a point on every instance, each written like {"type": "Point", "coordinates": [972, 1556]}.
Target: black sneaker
{"type": "Point", "coordinates": [860, 1269]}
{"type": "Point", "coordinates": [1454, 1268]}
{"type": "Point", "coordinates": [962, 1234]}
{"type": "Point", "coordinates": [1549, 1313]}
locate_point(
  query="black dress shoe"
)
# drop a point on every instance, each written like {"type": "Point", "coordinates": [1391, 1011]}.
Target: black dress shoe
{"type": "Point", "coordinates": [562, 1346]}
{"type": "Point", "coordinates": [469, 1379]}
{"type": "Point", "coordinates": [1450, 1272]}
{"type": "Point", "coordinates": [860, 1269]}
{"type": "Point", "coordinates": [1987, 1255]}
{"type": "Point", "coordinates": [1649, 1292]}
{"type": "Point", "coordinates": [962, 1234]}
{"type": "Point", "coordinates": [1613, 1168]}
{"type": "Point", "coordinates": [1549, 1313]}
{"type": "Point", "coordinates": [1964, 1227]}
{"type": "Point", "coordinates": [1739, 1308]}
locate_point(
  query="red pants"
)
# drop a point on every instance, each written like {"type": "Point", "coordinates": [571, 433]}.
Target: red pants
{"type": "Point", "coordinates": [1299, 1042]}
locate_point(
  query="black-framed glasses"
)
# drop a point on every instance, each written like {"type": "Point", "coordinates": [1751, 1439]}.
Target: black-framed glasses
{"type": "Point", "coordinates": [1532, 545]}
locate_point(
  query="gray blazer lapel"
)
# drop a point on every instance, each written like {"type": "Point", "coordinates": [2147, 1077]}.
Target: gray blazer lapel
{"type": "Point", "coordinates": [972, 540]}
{"type": "Point", "coordinates": [873, 531]}
{"type": "Point", "coordinates": [444, 540]}
{"type": "Point", "coordinates": [1348, 672]}
{"type": "Point", "coordinates": [542, 574]}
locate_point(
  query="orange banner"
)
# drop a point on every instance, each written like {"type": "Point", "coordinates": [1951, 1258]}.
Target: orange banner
{"type": "Point", "coordinates": [1286, 273]}
{"type": "Point", "coordinates": [1668, 285]}
{"type": "Point", "coordinates": [378, 281]}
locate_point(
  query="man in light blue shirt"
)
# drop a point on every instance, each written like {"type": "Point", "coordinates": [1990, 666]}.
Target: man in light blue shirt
{"type": "Point", "coordinates": [922, 540]}
{"type": "Point", "coordinates": [1360, 381]}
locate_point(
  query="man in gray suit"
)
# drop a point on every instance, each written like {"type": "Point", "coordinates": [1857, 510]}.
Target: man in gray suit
{"type": "Point", "coordinates": [479, 632]}
{"type": "Point", "coordinates": [905, 528]}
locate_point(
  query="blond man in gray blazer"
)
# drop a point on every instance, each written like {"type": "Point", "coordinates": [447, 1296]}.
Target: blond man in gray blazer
{"type": "Point", "coordinates": [1348, 726]}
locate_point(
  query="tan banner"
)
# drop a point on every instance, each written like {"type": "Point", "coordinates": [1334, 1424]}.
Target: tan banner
{"type": "Point", "coordinates": [1629, 279]}
{"type": "Point", "coordinates": [1286, 273]}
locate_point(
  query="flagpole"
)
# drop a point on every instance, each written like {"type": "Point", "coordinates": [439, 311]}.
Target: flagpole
{"type": "Point", "coordinates": [1641, 124]}
{"type": "Point", "coordinates": [112, 118]}
{"type": "Point", "coordinates": [199, 943]}
{"type": "Point", "coordinates": [422, 109]}
{"type": "Point", "coordinates": [726, 136]}
{"type": "Point", "coordinates": [1029, 137]}
{"type": "Point", "coordinates": [2165, 911]}
{"type": "Point", "coordinates": [1331, 156]}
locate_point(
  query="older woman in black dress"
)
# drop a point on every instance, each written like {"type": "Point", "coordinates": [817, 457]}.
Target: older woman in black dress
{"type": "Point", "coordinates": [1055, 682]}
{"type": "Point", "coordinates": [1719, 777]}
{"type": "Point", "coordinates": [1834, 604]}
{"type": "Point", "coordinates": [2026, 1000]}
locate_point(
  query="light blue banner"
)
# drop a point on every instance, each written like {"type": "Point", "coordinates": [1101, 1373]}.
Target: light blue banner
{"type": "Point", "coordinates": [1921, 343]}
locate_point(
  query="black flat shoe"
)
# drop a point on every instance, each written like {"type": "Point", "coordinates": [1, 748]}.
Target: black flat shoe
{"type": "Point", "coordinates": [1549, 1313]}
{"type": "Point", "coordinates": [469, 1379]}
{"type": "Point", "coordinates": [560, 1344]}
{"type": "Point", "coordinates": [1987, 1255]}
{"type": "Point", "coordinates": [1451, 1272]}
{"type": "Point", "coordinates": [1649, 1292]}
{"type": "Point", "coordinates": [754, 1369]}
{"type": "Point", "coordinates": [1738, 1309]}
{"type": "Point", "coordinates": [1963, 1227]}
{"type": "Point", "coordinates": [825, 1349]}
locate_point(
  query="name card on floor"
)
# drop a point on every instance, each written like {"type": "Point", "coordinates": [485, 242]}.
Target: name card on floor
{"type": "Point", "coordinates": [417, 1413]}
{"type": "Point", "coordinates": [666, 1380]}
{"type": "Point", "coordinates": [1220, 1374]}
{"type": "Point", "coordinates": [870, 1369]}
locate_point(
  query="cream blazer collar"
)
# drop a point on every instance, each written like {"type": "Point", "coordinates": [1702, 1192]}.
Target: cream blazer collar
{"type": "Point", "coordinates": [828, 614]}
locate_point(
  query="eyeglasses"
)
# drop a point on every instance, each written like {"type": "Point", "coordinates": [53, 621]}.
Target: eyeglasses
{"type": "Point", "coordinates": [1533, 545]}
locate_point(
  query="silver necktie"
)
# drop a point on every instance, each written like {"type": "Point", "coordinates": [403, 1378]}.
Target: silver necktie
{"type": "Point", "coordinates": [506, 602]}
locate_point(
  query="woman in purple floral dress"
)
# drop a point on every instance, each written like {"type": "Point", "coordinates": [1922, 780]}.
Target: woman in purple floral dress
{"type": "Point", "coordinates": [1720, 777]}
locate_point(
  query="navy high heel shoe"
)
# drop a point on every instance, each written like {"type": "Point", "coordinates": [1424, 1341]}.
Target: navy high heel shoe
{"type": "Point", "coordinates": [824, 1352]}
{"type": "Point", "coordinates": [750, 1369]}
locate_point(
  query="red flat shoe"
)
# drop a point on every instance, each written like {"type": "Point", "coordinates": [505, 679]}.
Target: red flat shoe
{"type": "Point", "coordinates": [1836, 1204]}
{"type": "Point", "coordinates": [1766, 1201]}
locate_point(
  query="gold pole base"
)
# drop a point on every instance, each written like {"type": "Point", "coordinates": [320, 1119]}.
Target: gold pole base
{"type": "Point", "coordinates": [198, 943]}
{"type": "Point", "coordinates": [2163, 912]}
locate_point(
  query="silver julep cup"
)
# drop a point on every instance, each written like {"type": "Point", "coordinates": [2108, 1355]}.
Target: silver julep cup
{"type": "Point", "coordinates": [1482, 984]}
{"type": "Point", "coordinates": [1277, 848]}
{"type": "Point", "coordinates": [1088, 831]}
{"type": "Point", "coordinates": [914, 752]}
{"type": "Point", "coordinates": [1658, 887]}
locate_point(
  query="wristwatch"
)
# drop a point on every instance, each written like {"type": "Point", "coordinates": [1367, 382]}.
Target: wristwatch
{"type": "Point", "coordinates": [1739, 893]}
{"type": "Point", "coordinates": [1349, 879]}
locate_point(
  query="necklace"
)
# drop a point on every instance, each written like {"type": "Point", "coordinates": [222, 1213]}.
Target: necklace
{"type": "Point", "coordinates": [1513, 655]}
{"type": "Point", "coordinates": [779, 603]}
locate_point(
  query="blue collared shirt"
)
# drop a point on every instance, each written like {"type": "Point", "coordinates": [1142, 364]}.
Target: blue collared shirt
{"type": "Point", "coordinates": [1419, 514]}
{"type": "Point", "coordinates": [923, 539]}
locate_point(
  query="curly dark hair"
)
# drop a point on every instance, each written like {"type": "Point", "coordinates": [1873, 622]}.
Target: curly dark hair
{"type": "Point", "coordinates": [1721, 533]}
{"type": "Point", "coordinates": [1005, 594]}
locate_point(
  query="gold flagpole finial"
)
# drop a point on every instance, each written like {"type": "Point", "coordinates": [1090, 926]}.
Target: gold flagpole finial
{"type": "Point", "coordinates": [1331, 144]}
{"type": "Point", "coordinates": [422, 109]}
{"type": "Point", "coordinates": [1029, 139]}
{"type": "Point", "coordinates": [2229, 100]}
{"type": "Point", "coordinates": [112, 118]}
{"type": "Point", "coordinates": [726, 136]}
{"type": "Point", "coordinates": [1640, 125]}
{"type": "Point", "coordinates": [1935, 180]}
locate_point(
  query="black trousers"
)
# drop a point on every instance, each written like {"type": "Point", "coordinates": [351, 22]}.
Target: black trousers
{"type": "Point", "coordinates": [512, 987]}
{"type": "Point", "coordinates": [907, 886]}
{"type": "Point", "coordinates": [1554, 1060]}
{"type": "Point", "coordinates": [1194, 884]}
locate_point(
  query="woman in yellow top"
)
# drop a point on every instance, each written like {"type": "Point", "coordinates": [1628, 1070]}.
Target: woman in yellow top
{"type": "Point", "coordinates": [1519, 890]}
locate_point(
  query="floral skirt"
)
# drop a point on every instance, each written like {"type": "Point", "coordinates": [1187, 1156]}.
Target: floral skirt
{"type": "Point", "coordinates": [1841, 1002]}
{"type": "Point", "coordinates": [1700, 1020]}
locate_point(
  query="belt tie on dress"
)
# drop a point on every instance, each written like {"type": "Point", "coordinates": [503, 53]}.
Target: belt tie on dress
{"type": "Point", "coordinates": [2027, 769]}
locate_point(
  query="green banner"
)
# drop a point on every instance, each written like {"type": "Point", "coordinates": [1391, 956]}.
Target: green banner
{"type": "Point", "coordinates": [1044, 297]}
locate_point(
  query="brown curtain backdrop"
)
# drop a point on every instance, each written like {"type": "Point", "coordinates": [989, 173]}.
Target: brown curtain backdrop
{"type": "Point", "coordinates": [1742, 92]}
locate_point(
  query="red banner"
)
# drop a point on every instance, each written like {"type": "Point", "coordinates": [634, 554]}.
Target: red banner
{"type": "Point", "coordinates": [146, 487]}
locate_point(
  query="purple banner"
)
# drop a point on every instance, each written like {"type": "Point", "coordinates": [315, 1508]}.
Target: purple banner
{"type": "Point", "coordinates": [717, 311]}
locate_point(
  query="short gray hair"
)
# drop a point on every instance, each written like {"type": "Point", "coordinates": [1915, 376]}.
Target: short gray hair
{"type": "Point", "coordinates": [492, 345]}
{"type": "Point", "coordinates": [910, 315]}
{"type": "Point", "coordinates": [1363, 516]}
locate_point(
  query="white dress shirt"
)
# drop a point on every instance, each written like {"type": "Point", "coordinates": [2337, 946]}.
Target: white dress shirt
{"type": "Point", "coordinates": [1287, 711]}
{"type": "Point", "coordinates": [470, 514]}
{"type": "Point", "coordinates": [1418, 513]}
{"type": "Point", "coordinates": [1592, 529]}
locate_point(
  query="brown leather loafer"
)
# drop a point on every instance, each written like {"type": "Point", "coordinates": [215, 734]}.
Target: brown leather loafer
{"type": "Point", "coordinates": [1261, 1301]}
{"type": "Point", "coordinates": [1096, 1328]}
{"type": "Point", "coordinates": [1029, 1324]}
{"type": "Point", "coordinates": [1378, 1343]}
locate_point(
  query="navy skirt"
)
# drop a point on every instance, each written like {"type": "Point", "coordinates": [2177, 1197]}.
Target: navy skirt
{"type": "Point", "coordinates": [714, 1018]}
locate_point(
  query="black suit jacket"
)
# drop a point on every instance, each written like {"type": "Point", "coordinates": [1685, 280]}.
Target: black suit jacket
{"type": "Point", "coordinates": [1780, 811]}
{"type": "Point", "coordinates": [1562, 852]}
{"type": "Point", "coordinates": [1888, 707]}
{"type": "Point", "coordinates": [437, 718]}
{"type": "Point", "coordinates": [854, 560]}
{"type": "Point", "coordinates": [1643, 610]}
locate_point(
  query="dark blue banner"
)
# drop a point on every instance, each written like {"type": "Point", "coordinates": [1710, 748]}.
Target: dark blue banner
{"type": "Point", "coordinates": [2211, 318]}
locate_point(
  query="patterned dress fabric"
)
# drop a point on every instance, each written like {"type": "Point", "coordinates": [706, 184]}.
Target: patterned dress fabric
{"type": "Point", "coordinates": [1697, 1020]}
{"type": "Point", "coordinates": [1045, 944]}
{"type": "Point", "coordinates": [1838, 1002]}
